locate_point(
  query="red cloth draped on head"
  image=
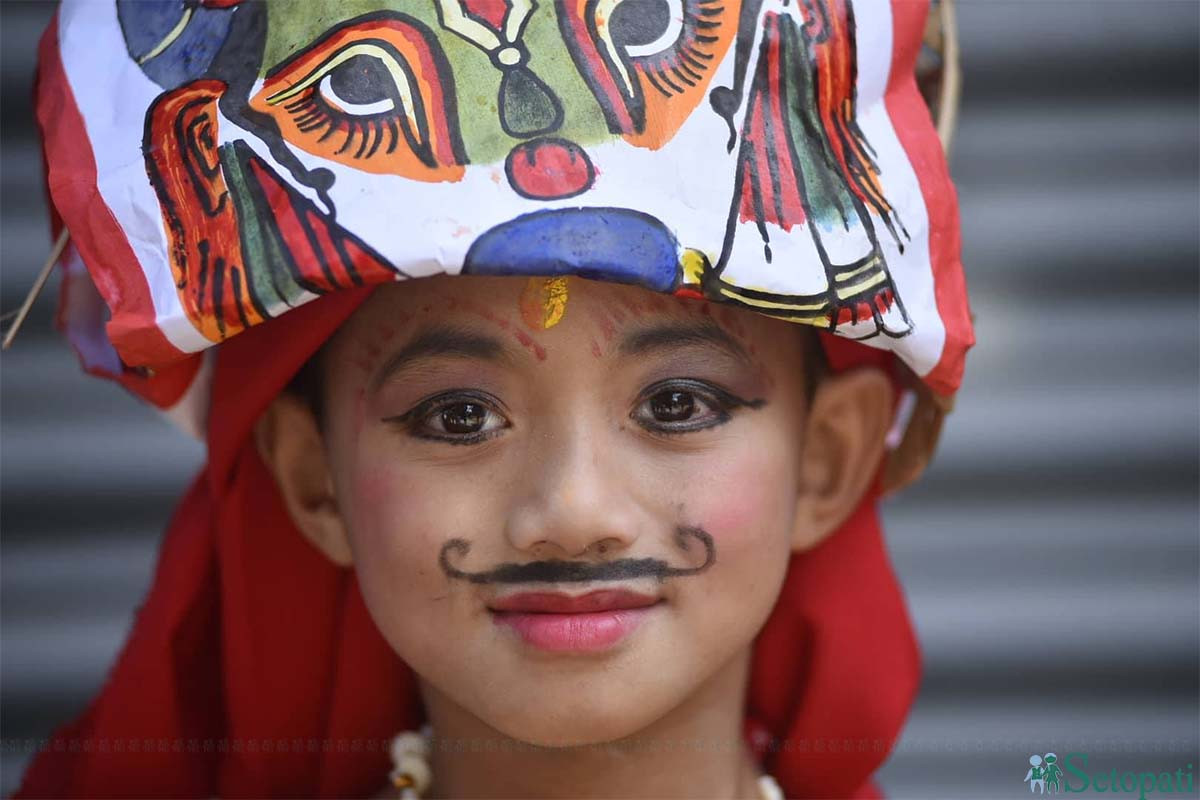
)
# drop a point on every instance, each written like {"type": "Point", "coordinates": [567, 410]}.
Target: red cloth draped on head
{"type": "Point", "coordinates": [253, 668]}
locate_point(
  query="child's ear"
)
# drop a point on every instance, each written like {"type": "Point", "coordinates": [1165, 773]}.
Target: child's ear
{"type": "Point", "coordinates": [290, 444]}
{"type": "Point", "coordinates": [843, 443]}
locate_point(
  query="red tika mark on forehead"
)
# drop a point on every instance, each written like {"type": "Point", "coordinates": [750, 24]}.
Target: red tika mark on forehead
{"type": "Point", "coordinates": [730, 321]}
{"type": "Point", "coordinates": [483, 312]}
{"type": "Point", "coordinates": [606, 325]}
{"type": "Point", "coordinates": [490, 11]}
{"type": "Point", "coordinates": [527, 341]}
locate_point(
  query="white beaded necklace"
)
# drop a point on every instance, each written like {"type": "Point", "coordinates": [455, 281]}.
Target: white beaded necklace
{"type": "Point", "coordinates": [411, 774]}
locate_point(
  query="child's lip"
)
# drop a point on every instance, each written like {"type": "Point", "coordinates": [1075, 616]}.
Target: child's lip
{"type": "Point", "coordinates": [561, 603]}
{"type": "Point", "coordinates": [561, 623]}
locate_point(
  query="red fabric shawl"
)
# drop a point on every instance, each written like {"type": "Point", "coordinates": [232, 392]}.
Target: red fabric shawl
{"type": "Point", "coordinates": [254, 670]}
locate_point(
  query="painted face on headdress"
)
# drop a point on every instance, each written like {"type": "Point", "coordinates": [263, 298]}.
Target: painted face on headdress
{"type": "Point", "coordinates": [739, 151]}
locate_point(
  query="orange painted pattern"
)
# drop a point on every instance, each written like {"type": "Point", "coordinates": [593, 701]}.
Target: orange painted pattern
{"type": "Point", "coordinates": [201, 224]}
{"type": "Point", "coordinates": [371, 142]}
{"type": "Point", "coordinates": [665, 114]}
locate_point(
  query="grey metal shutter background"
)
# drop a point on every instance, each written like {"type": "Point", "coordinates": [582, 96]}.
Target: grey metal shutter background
{"type": "Point", "coordinates": [1050, 556]}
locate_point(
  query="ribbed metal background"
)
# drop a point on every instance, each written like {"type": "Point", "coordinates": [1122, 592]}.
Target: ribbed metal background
{"type": "Point", "coordinates": [1051, 555]}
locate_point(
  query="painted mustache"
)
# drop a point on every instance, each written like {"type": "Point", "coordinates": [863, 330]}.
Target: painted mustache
{"type": "Point", "coordinates": [556, 570]}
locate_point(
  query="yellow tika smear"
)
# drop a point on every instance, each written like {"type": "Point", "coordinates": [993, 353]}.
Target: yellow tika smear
{"type": "Point", "coordinates": [544, 302]}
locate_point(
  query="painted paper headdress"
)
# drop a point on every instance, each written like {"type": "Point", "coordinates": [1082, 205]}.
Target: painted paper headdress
{"type": "Point", "coordinates": [221, 162]}
{"type": "Point", "coordinates": [218, 163]}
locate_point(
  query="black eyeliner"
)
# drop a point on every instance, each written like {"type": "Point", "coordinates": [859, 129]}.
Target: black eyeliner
{"type": "Point", "coordinates": [728, 399]}
{"type": "Point", "coordinates": [429, 405]}
{"type": "Point", "coordinates": [723, 400]}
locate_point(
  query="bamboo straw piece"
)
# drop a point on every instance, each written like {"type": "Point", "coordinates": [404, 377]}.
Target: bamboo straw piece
{"type": "Point", "coordinates": [36, 289]}
{"type": "Point", "coordinates": [951, 88]}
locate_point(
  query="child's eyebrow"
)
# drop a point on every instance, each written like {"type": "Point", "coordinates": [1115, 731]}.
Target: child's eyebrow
{"type": "Point", "coordinates": [442, 340]}
{"type": "Point", "coordinates": [671, 335]}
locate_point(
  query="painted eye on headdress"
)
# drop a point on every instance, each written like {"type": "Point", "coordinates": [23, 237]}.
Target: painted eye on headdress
{"type": "Point", "coordinates": [645, 27]}
{"type": "Point", "coordinates": [375, 93]}
{"type": "Point", "coordinates": [363, 85]}
{"type": "Point", "coordinates": [647, 61]}
{"type": "Point", "coordinates": [368, 80]}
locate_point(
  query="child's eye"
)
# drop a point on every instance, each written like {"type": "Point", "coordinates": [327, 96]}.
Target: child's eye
{"type": "Point", "coordinates": [683, 405]}
{"type": "Point", "coordinates": [454, 417]}
{"type": "Point", "coordinates": [673, 406]}
{"type": "Point", "coordinates": [464, 419]}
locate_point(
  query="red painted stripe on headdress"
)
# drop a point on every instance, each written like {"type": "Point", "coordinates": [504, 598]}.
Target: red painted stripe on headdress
{"type": "Point", "coordinates": [71, 180]}
{"type": "Point", "coordinates": [913, 126]}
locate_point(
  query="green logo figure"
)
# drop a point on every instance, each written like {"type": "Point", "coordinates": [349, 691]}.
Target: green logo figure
{"type": "Point", "coordinates": [1052, 772]}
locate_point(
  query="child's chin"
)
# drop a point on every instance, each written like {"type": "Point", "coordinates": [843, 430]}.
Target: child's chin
{"type": "Point", "coordinates": [582, 726]}
{"type": "Point", "coordinates": [575, 735]}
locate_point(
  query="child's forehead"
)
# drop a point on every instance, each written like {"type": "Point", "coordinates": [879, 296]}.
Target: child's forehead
{"type": "Point", "coordinates": [500, 293]}
{"type": "Point", "coordinates": [556, 322]}
{"type": "Point", "coordinates": [544, 308]}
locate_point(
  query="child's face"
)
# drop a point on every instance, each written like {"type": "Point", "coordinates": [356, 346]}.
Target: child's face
{"type": "Point", "coordinates": [460, 438]}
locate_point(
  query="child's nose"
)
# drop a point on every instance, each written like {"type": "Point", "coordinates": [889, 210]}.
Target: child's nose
{"type": "Point", "coordinates": [576, 501]}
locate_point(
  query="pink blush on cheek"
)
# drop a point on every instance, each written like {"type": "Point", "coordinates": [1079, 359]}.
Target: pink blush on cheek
{"type": "Point", "coordinates": [747, 508]}
{"type": "Point", "coordinates": [360, 410]}
{"type": "Point", "coordinates": [371, 490]}
{"type": "Point", "coordinates": [730, 520]}
{"type": "Point", "coordinates": [378, 485]}
{"type": "Point", "coordinates": [384, 507]}
{"type": "Point", "coordinates": [385, 490]}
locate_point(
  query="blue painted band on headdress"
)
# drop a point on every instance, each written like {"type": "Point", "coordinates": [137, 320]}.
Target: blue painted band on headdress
{"type": "Point", "coordinates": [612, 244]}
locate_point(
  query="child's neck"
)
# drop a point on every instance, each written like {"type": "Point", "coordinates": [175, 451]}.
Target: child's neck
{"type": "Point", "coordinates": [696, 750]}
